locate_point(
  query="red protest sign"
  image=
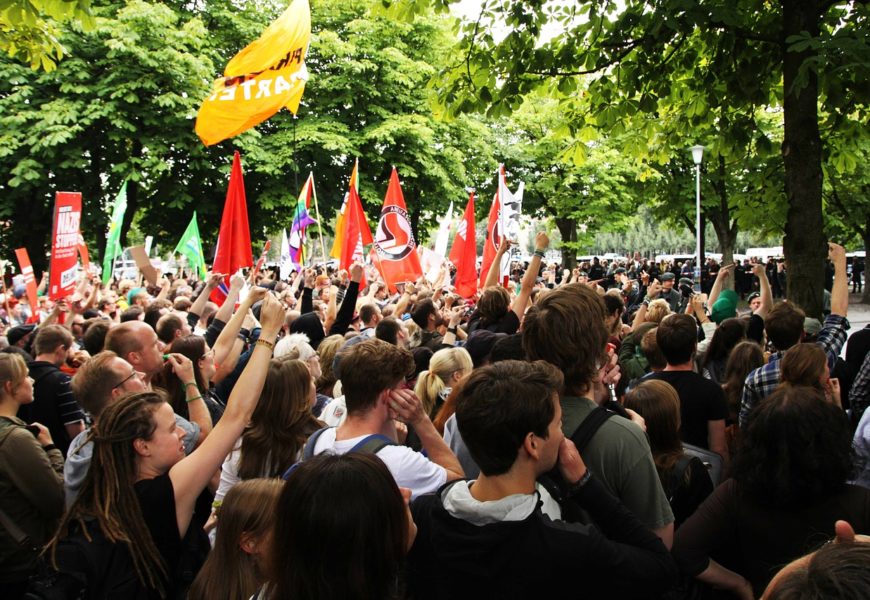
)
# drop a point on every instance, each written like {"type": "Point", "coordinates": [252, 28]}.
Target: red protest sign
{"type": "Point", "coordinates": [29, 279]}
{"type": "Point", "coordinates": [64, 244]}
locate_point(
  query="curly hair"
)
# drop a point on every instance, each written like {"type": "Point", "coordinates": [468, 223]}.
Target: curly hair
{"type": "Point", "coordinates": [795, 450]}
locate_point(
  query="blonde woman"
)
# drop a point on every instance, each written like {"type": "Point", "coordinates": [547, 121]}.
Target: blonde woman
{"type": "Point", "coordinates": [447, 367]}
{"type": "Point", "coordinates": [31, 479]}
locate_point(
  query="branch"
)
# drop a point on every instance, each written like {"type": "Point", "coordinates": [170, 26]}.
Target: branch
{"type": "Point", "coordinates": [471, 43]}
{"type": "Point", "coordinates": [745, 34]}
{"type": "Point", "coordinates": [610, 63]}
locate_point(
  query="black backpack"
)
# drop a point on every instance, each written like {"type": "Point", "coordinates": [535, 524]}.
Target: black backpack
{"type": "Point", "coordinates": [86, 570]}
{"type": "Point", "coordinates": [581, 437]}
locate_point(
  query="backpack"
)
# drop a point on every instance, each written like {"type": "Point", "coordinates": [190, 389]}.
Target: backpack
{"type": "Point", "coordinates": [371, 444]}
{"type": "Point", "coordinates": [711, 460]}
{"type": "Point", "coordinates": [581, 437]}
{"type": "Point", "coordinates": [86, 570]}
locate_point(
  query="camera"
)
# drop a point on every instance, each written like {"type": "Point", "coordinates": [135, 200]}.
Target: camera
{"type": "Point", "coordinates": [686, 290]}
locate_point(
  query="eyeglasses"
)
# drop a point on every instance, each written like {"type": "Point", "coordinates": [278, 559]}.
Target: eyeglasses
{"type": "Point", "coordinates": [125, 380]}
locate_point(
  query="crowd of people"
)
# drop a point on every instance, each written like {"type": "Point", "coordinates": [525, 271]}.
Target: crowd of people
{"type": "Point", "coordinates": [607, 429]}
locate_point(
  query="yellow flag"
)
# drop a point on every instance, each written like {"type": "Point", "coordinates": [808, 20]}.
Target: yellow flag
{"type": "Point", "coordinates": [267, 75]}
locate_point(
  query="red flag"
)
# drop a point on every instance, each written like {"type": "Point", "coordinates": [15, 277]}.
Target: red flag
{"type": "Point", "coordinates": [356, 234]}
{"type": "Point", "coordinates": [29, 280]}
{"type": "Point", "coordinates": [394, 241]}
{"type": "Point", "coordinates": [463, 254]}
{"type": "Point", "coordinates": [493, 240]}
{"type": "Point", "coordinates": [64, 246]}
{"type": "Point", "coordinates": [234, 239]}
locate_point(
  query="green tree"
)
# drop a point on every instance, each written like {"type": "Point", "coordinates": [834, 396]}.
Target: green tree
{"type": "Point", "coordinates": [119, 107]}
{"type": "Point", "coordinates": [29, 28]}
{"type": "Point", "coordinates": [577, 181]}
{"type": "Point", "coordinates": [794, 54]}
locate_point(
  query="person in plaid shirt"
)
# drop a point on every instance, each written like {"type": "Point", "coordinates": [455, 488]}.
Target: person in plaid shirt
{"type": "Point", "coordinates": [784, 326]}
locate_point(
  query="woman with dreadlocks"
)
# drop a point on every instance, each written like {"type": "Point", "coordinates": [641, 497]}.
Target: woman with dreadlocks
{"type": "Point", "coordinates": [144, 496]}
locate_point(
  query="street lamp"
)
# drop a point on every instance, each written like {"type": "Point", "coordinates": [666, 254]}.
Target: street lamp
{"type": "Point", "coordinates": [697, 156]}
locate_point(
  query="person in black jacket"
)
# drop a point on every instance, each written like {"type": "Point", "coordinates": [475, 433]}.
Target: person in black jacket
{"type": "Point", "coordinates": [502, 535]}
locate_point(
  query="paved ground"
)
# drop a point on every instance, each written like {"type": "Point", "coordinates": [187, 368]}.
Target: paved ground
{"type": "Point", "coordinates": [859, 315]}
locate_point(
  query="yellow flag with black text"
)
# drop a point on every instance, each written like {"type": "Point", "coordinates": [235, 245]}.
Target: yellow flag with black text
{"type": "Point", "coordinates": [265, 76]}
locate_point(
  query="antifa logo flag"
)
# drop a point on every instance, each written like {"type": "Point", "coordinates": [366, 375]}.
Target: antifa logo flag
{"type": "Point", "coordinates": [394, 240]}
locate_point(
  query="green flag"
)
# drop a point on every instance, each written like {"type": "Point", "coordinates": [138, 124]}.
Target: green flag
{"type": "Point", "coordinates": [191, 247]}
{"type": "Point", "coordinates": [113, 238]}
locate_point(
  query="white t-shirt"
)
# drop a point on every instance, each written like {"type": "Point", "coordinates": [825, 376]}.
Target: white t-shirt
{"type": "Point", "coordinates": [410, 469]}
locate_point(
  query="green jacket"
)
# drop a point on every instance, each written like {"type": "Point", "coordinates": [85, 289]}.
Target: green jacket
{"type": "Point", "coordinates": [31, 496]}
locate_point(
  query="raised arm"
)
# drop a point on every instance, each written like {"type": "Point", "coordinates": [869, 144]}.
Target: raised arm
{"type": "Point", "coordinates": [542, 242]}
{"type": "Point", "coordinates": [190, 475]}
{"type": "Point", "coordinates": [840, 291]}
{"type": "Point", "coordinates": [495, 267]}
{"type": "Point", "coordinates": [766, 296]}
{"type": "Point", "coordinates": [237, 282]}
{"type": "Point", "coordinates": [224, 345]}
{"type": "Point", "coordinates": [212, 281]}
{"type": "Point", "coordinates": [724, 273]}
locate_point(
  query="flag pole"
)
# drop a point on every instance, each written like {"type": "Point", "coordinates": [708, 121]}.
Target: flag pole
{"type": "Point", "coordinates": [319, 220]}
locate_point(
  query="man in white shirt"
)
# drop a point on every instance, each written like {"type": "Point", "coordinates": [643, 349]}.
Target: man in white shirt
{"type": "Point", "coordinates": [373, 379]}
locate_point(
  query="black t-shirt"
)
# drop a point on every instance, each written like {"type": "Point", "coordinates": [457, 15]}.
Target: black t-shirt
{"type": "Point", "coordinates": [183, 557]}
{"type": "Point", "coordinates": [53, 403]}
{"type": "Point", "coordinates": [509, 323]}
{"type": "Point", "coordinates": [701, 401]}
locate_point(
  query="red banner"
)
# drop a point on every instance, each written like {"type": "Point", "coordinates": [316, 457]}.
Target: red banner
{"type": "Point", "coordinates": [29, 279]}
{"type": "Point", "coordinates": [64, 244]}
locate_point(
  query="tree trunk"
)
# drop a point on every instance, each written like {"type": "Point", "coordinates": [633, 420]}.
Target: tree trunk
{"type": "Point", "coordinates": [568, 230]}
{"type": "Point", "coordinates": [804, 243]}
{"type": "Point", "coordinates": [720, 216]}
{"type": "Point", "coordinates": [34, 236]}
{"type": "Point", "coordinates": [132, 197]}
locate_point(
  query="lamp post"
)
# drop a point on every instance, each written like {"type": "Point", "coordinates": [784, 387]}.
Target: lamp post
{"type": "Point", "coordinates": [697, 156]}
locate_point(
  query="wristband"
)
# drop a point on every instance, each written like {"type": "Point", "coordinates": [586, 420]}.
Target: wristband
{"type": "Point", "coordinates": [576, 487]}
{"type": "Point", "coordinates": [195, 398]}
{"type": "Point", "coordinates": [452, 329]}
{"type": "Point", "coordinates": [49, 447]}
{"type": "Point", "coordinates": [267, 343]}
{"type": "Point", "coordinates": [189, 383]}
{"type": "Point", "coordinates": [539, 253]}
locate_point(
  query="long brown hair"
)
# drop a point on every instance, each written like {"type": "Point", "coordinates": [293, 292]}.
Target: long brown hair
{"type": "Point", "coordinates": [194, 348]}
{"type": "Point", "coordinates": [229, 572]}
{"type": "Point", "coordinates": [281, 422]}
{"type": "Point", "coordinates": [365, 539]}
{"type": "Point", "coordinates": [659, 404]}
{"type": "Point", "coordinates": [745, 357]}
{"type": "Point", "coordinates": [804, 364]}
{"type": "Point", "coordinates": [107, 495]}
